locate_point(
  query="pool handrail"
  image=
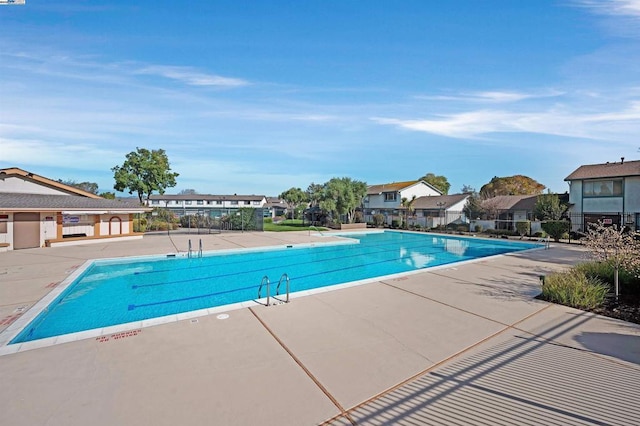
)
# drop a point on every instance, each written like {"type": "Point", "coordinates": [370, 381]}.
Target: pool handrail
{"type": "Point", "coordinates": [287, 280]}
{"type": "Point", "coordinates": [265, 279]}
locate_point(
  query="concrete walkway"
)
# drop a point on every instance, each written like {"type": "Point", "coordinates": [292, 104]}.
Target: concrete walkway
{"type": "Point", "coordinates": [464, 345]}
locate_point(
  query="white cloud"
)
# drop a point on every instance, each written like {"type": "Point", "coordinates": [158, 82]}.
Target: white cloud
{"type": "Point", "coordinates": [190, 76]}
{"type": "Point", "coordinates": [611, 125]}
{"type": "Point", "coordinates": [614, 7]}
{"type": "Point", "coordinates": [493, 96]}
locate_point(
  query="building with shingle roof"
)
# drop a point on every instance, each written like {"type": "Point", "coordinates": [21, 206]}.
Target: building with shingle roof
{"type": "Point", "coordinates": [609, 192]}
{"type": "Point", "coordinates": [386, 198]}
{"type": "Point", "coordinates": [36, 211]}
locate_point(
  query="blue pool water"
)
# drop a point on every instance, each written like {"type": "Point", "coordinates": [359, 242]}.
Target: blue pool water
{"type": "Point", "coordinates": [121, 291]}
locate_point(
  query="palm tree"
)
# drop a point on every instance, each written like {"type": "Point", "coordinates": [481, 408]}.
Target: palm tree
{"type": "Point", "coordinates": [408, 205]}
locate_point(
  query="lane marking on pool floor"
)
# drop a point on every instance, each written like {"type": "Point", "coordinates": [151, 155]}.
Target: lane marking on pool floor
{"type": "Point", "coordinates": [343, 412]}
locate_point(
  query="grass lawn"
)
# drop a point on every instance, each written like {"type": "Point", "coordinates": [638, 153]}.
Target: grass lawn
{"type": "Point", "coordinates": [290, 225]}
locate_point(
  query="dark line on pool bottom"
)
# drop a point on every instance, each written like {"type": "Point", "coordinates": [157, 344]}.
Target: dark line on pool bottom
{"type": "Point", "coordinates": [435, 251]}
{"type": "Point", "coordinates": [164, 302]}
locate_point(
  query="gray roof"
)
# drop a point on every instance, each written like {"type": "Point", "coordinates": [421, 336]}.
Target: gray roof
{"type": "Point", "coordinates": [14, 201]}
{"type": "Point", "coordinates": [208, 197]}
{"type": "Point", "coordinates": [606, 170]}
{"type": "Point", "coordinates": [439, 201]}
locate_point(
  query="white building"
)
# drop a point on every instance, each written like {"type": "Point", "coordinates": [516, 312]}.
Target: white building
{"type": "Point", "coordinates": [204, 204]}
{"type": "Point", "coordinates": [386, 199]}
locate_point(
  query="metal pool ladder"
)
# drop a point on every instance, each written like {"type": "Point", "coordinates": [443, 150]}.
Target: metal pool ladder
{"type": "Point", "coordinates": [265, 282]}
{"type": "Point", "coordinates": [190, 255]}
{"type": "Point", "coordinates": [284, 277]}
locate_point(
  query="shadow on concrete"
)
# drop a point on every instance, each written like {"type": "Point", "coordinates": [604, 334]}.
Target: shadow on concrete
{"type": "Point", "coordinates": [621, 346]}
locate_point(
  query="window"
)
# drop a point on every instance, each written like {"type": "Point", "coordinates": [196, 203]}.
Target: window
{"type": "Point", "coordinates": [200, 202]}
{"type": "Point", "coordinates": [390, 196]}
{"type": "Point", "coordinates": [188, 202]}
{"type": "Point", "coordinates": [602, 188]}
{"type": "Point", "coordinates": [247, 203]}
{"type": "Point", "coordinates": [218, 202]}
{"type": "Point", "coordinates": [155, 201]}
{"type": "Point", "coordinates": [256, 203]}
{"type": "Point", "coordinates": [234, 203]}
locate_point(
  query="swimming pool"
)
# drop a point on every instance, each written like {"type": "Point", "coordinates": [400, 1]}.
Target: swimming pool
{"type": "Point", "coordinates": [118, 291]}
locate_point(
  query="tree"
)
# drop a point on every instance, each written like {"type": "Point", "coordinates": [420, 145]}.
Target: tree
{"type": "Point", "coordinates": [549, 207]}
{"type": "Point", "coordinates": [556, 228]}
{"type": "Point", "coordinates": [342, 196]}
{"type": "Point", "coordinates": [143, 172]}
{"type": "Point", "coordinates": [314, 194]}
{"type": "Point", "coordinates": [108, 195]}
{"type": "Point", "coordinates": [439, 182]}
{"type": "Point", "coordinates": [467, 189]}
{"type": "Point", "coordinates": [473, 207]}
{"type": "Point", "coordinates": [408, 206]}
{"type": "Point", "coordinates": [187, 191]}
{"type": "Point", "coordinates": [616, 246]}
{"type": "Point", "coordinates": [293, 197]}
{"type": "Point", "coordinates": [511, 185]}
{"type": "Point", "coordinates": [90, 187]}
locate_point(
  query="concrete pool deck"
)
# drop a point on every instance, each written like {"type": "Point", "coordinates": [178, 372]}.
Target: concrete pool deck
{"type": "Point", "coordinates": [466, 344]}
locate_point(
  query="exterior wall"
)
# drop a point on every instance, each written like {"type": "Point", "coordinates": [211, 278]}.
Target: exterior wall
{"type": "Point", "coordinates": [110, 225]}
{"type": "Point", "coordinates": [376, 201]}
{"type": "Point", "coordinates": [16, 185]}
{"type": "Point", "coordinates": [575, 196]}
{"type": "Point", "coordinates": [195, 205]}
{"type": "Point", "coordinates": [632, 194]}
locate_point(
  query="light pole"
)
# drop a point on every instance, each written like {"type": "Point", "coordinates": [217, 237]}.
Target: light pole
{"type": "Point", "coordinates": [440, 204]}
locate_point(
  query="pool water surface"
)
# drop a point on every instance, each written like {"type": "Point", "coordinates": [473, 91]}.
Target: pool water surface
{"type": "Point", "coordinates": [117, 291]}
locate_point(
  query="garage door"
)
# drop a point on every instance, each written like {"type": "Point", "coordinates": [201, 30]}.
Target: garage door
{"type": "Point", "coordinates": [26, 230]}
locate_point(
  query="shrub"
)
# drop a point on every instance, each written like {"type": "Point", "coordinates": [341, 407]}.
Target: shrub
{"type": "Point", "coordinates": [604, 271]}
{"type": "Point", "coordinates": [523, 227]}
{"type": "Point", "coordinates": [556, 228]}
{"type": "Point", "coordinates": [477, 228]}
{"type": "Point", "coordinates": [268, 220]}
{"type": "Point", "coordinates": [462, 228]}
{"type": "Point", "coordinates": [574, 288]}
{"type": "Point", "coordinates": [395, 223]}
{"type": "Point", "coordinates": [378, 220]}
{"type": "Point", "coordinates": [540, 234]}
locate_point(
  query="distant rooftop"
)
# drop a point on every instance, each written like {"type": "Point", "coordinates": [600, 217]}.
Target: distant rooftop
{"type": "Point", "coordinates": [606, 170]}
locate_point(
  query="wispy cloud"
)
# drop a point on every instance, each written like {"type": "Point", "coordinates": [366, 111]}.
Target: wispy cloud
{"type": "Point", "coordinates": [611, 125]}
{"type": "Point", "coordinates": [613, 7]}
{"type": "Point", "coordinates": [492, 96]}
{"type": "Point", "coordinates": [191, 76]}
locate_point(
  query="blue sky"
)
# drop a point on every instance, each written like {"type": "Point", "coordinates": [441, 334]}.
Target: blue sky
{"type": "Point", "coordinates": [257, 96]}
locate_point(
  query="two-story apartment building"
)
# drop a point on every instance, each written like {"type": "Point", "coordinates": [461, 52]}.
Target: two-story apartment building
{"type": "Point", "coordinates": [386, 199]}
{"type": "Point", "coordinates": [609, 192]}
{"type": "Point", "coordinates": [205, 204]}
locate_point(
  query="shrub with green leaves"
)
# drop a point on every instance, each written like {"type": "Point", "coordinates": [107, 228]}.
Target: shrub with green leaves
{"type": "Point", "coordinates": [604, 271]}
{"type": "Point", "coordinates": [556, 228]}
{"type": "Point", "coordinates": [523, 227]}
{"type": "Point", "coordinates": [574, 288]}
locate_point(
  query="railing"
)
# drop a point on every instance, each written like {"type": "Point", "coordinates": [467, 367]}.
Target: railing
{"type": "Point", "coordinates": [316, 229]}
{"type": "Point", "coordinates": [190, 250]}
{"type": "Point", "coordinates": [266, 283]}
{"type": "Point", "coordinates": [284, 277]}
{"type": "Point", "coordinates": [265, 280]}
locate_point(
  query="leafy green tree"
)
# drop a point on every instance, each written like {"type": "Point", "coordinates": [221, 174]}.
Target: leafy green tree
{"type": "Point", "coordinates": [187, 191]}
{"type": "Point", "coordinates": [144, 172]}
{"type": "Point", "coordinates": [523, 228]}
{"type": "Point", "coordinates": [90, 187]}
{"type": "Point", "coordinates": [342, 196]}
{"type": "Point", "coordinates": [549, 207]}
{"type": "Point", "coordinates": [108, 195]}
{"type": "Point", "coordinates": [511, 185]}
{"type": "Point", "coordinates": [439, 182]}
{"type": "Point", "coordinates": [408, 206]}
{"type": "Point", "coordinates": [467, 189]}
{"type": "Point", "coordinates": [314, 194]}
{"type": "Point", "coordinates": [294, 197]}
{"type": "Point", "coordinates": [473, 208]}
{"type": "Point", "coordinates": [556, 228]}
